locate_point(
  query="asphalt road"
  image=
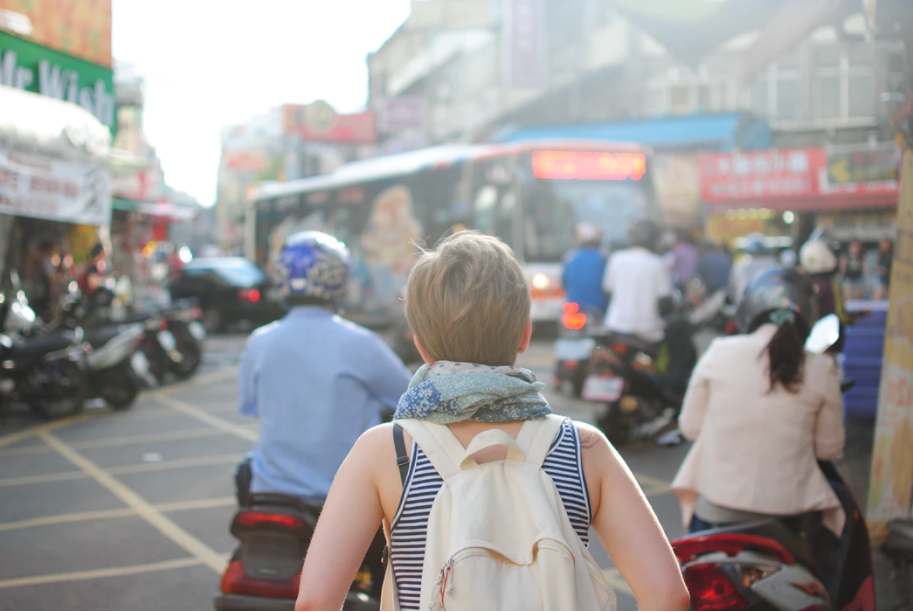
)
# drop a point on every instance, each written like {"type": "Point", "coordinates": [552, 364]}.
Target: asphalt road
{"type": "Point", "coordinates": [131, 510]}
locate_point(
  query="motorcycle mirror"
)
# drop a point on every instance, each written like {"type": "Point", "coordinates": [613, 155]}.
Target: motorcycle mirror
{"type": "Point", "coordinates": [824, 334]}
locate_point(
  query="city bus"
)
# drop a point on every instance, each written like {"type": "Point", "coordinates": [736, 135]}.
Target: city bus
{"type": "Point", "coordinates": [531, 195]}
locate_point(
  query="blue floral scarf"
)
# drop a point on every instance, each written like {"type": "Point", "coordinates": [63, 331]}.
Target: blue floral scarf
{"type": "Point", "coordinates": [447, 392]}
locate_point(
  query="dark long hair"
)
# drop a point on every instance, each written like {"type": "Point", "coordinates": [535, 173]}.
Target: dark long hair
{"type": "Point", "coordinates": [786, 351]}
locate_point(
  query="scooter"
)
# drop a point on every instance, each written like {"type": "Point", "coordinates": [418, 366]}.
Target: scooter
{"type": "Point", "coordinates": [48, 373]}
{"type": "Point", "coordinates": [117, 368]}
{"type": "Point", "coordinates": [575, 345]}
{"type": "Point", "coordinates": [763, 565]}
{"type": "Point", "coordinates": [274, 532]}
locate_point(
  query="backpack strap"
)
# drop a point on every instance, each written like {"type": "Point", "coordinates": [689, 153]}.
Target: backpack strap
{"type": "Point", "coordinates": [437, 442]}
{"type": "Point", "coordinates": [402, 458]}
{"type": "Point", "coordinates": [536, 437]}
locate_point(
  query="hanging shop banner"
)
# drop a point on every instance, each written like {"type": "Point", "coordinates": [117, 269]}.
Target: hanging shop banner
{"type": "Point", "coordinates": [891, 481]}
{"type": "Point", "coordinates": [862, 168]}
{"type": "Point", "coordinates": [796, 174]}
{"type": "Point", "coordinates": [32, 67]}
{"type": "Point", "coordinates": [50, 189]}
{"type": "Point", "coordinates": [760, 175]}
{"type": "Point", "coordinates": [677, 179]}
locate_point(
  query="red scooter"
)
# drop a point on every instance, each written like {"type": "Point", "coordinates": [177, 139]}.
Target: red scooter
{"type": "Point", "coordinates": [764, 565]}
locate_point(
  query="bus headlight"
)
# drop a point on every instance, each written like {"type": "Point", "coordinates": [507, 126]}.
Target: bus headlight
{"type": "Point", "coordinates": [541, 281]}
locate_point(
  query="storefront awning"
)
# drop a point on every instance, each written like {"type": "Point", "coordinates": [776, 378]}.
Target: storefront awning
{"type": "Point", "coordinates": [722, 132]}
{"type": "Point", "coordinates": [40, 125]}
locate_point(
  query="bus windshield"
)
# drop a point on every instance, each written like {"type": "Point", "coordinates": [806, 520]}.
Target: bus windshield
{"type": "Point", "coordinates": [555, 207]}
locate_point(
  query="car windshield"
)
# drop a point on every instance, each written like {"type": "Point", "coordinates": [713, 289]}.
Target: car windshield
{"type": "Point", "coordinates": [240, 273]}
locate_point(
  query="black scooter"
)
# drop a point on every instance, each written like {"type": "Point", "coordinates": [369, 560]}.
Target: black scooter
{"type": "Point", "coordinates": [49, 373]}
{"type": "Point", "coordinates": [274, 532]}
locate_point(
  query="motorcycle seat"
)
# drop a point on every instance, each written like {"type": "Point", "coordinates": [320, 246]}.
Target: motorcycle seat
{"type": "Point", "coordinates": [34, 348]}
{"type": "Point", "coordinates": [101, 335]}
{"type": "Point", "coordinates": [773, 529]}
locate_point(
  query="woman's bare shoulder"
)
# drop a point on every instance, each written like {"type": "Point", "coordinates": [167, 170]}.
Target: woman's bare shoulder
{"type": "Point", "coordinates": [590, 436]}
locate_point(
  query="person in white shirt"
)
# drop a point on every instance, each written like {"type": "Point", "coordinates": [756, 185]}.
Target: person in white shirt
{"type": "Point", "coordinates": [639, 285]}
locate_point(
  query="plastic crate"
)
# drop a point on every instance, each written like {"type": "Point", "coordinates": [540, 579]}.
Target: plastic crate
{"type": "Point", "coordinates": [860, 404]}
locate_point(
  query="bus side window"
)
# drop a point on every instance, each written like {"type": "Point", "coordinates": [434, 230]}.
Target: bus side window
{"type": "Point", "coordinates": [485, 209]}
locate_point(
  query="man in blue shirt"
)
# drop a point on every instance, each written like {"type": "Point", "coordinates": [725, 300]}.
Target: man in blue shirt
{"type": "Point", "coordinates": [316, 380]}
{"type": "Point", "coordinates": [713, 266]}
{"type": "Point", "coordinates": [584, 269]}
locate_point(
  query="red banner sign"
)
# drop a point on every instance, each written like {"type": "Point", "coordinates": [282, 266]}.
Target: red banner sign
{"type": "Point", "coordinates": [761, 175]}
{"type": "Point", "coordinates": [318, 122]}
{"type": "Point", "coordinates": [775, 174]}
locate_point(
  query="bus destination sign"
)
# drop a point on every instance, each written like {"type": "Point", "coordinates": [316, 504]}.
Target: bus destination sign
{"type": "Point", "coordinates": [589, 165]}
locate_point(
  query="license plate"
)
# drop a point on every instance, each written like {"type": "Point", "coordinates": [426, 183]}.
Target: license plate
{"type": "Point", "coordinates": [166, 339]}
{"type": "Point", "coordinates": [574, 349]}
{"type": "Point", "coordinates": [603, 388]}
{"type": "Point", "coordinates": [197, 330]}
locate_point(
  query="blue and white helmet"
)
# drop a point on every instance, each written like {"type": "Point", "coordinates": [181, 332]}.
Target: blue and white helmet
{"type": "Point", "coordinates": [313, 265]}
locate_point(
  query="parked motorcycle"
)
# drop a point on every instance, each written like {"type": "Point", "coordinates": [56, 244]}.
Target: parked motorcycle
{"type": "Point", "coordinates": [172, 342]}
{"type": "Point", "coordinates": [575, 345]}
{"type": "Point", "coordinates": [274, 532]}
{"type": "Point", "coordinates": [48, 373]}
{"type": "Point", "coordinates": [764, 565]}
{"type": "Point", "coordinates": [117, 368]}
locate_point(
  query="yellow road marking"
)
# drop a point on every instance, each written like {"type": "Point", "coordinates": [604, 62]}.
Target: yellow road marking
{"type": "Point", "coordinates": [77, 517]}
{"type": "Point", "coordinates": [99, 573]}
{"type": "Point", "coordinates": [210, 419]}
{"type": "Point", "coordinates": [133, 468]}
{"type": "Point", "coordinates": [613, 577]}
{"type": "Point", "coordinates": [177, 464]}
{"type": "Point", "coordinates": [653, 486]}
{"type": "Point", "coordinates": [143, 508]}
{"type": "Point", "coordinates": [168, 436]}
{"type": "Point", "coordinates": [67, 518]}
{"type": "Point", "coordinates": [219, 375]}
{"type": "Point", "coordinates": [37, 429]}
{"type": "Point", "coordinates": [41, 478]}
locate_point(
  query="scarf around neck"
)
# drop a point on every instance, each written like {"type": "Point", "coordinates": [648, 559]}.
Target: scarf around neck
{"type": "Point", "coordinates": [448, 392]}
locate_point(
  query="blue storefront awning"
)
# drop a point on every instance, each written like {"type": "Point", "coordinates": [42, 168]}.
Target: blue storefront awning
{"type": "Point", "coordinates": [721, 132]}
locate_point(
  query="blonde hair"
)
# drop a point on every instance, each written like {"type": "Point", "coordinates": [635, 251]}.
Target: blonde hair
{"type": "Point", "coordinates": [467, 301]}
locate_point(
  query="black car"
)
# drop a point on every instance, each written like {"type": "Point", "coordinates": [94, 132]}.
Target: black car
{"type": "Point", "coordinates": [229, 290]}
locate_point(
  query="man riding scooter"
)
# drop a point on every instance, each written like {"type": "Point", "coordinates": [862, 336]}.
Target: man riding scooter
{"type": "Point", "coordinates": [643, 362]}
{"type": "Point", "coordinates": [584, 308]}
{"type": "Point", "coordinates": [316, 381]}
{"type": "Point", "coordinates": [584, 270]}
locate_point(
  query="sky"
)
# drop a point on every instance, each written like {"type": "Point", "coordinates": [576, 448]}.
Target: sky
{"type": "Point", "coordinates": [212, 63]}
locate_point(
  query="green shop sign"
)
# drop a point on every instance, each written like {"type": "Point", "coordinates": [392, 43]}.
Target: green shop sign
{"type": "Point", "coordinates": [32, 67]}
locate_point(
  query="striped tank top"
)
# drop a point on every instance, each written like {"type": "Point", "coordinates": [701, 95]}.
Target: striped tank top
{"type": "Point", "coordinates": [410, 525]}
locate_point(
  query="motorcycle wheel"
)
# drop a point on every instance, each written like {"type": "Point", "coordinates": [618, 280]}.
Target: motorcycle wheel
{"type": "Point", "coordinates": [70, 398]}
{"type": "Point", "coordinates": [120, 390]}
{"type": "Point", "coordinates": [614, 425]}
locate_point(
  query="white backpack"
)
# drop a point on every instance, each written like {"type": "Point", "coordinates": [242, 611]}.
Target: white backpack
{"type": "Point", "coordinates": [499, 537]}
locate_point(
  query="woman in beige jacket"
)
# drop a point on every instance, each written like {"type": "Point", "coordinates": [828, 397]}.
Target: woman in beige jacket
{"type": "Point", "coordinates": [762, 412]}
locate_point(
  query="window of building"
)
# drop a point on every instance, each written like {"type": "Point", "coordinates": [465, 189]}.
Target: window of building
{"type": "Point", "coordinates": [845, 83]}
{"type": "Point", "coordinates": [775, 93]}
